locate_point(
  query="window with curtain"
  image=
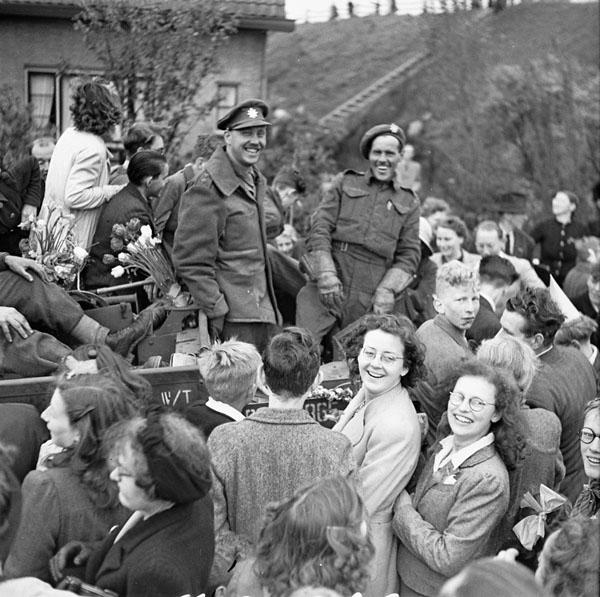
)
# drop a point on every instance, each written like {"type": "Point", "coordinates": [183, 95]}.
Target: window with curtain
{"type": "Point", "coordinates": [227, 97]}
{"type": "Point", "coordinates": [42, 97]}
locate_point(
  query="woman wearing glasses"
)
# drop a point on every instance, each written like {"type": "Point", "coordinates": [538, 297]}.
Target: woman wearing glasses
{"type": "Point", "coordinates": [382, 425]}
{"type": "Point", "coordinates": [463, 491]}
{"type": "Point", "coordinates": [588, 501]}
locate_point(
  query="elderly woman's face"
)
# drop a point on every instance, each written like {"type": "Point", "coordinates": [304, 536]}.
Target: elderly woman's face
{"type": "Point", "coordinates": [381, 362]}
{"type": "Point", "coordinates": [448, 242]}
{"type": "Point", "coordinates": [591, 452]}
{"type": "Point", "coordinates": [131, 495]}
{"type": "Point", "coordinates": [62, 432]}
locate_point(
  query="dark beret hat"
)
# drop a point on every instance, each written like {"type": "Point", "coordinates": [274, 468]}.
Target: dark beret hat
{"type": "Point", "coordinates": [249, 113]}
{"type": "Point", "coordinates": [511, 203]}
{"type": "Point", "coordinates": [381, 129]}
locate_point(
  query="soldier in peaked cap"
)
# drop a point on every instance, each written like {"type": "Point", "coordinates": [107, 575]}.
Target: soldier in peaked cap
{"type": "Point", "coordinates": [220, 243]}
{"type": "Point", "coordinates": [363, 247]}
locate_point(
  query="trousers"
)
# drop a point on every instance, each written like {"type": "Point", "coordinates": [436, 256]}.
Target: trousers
{"type": "Point", "coordinates": [360, 272]}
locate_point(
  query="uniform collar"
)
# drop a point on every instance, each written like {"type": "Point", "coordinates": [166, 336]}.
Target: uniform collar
{"type": "Point", "coordinates": [394, 183]}
{"type": "Point", "coordinates": [223, 174]}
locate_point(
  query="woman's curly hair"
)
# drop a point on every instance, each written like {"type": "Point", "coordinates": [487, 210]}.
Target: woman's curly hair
{"type": "Point", "coordinates": [93, 402]}
{"type": "Point", "coordinates": [569, 560]}
{"type": "Point", "coordinates": [318, 537]}
{"type": "Point", "coordinates": [352, 341]}
{"type": "Point", "coordinates": [95, 108]}
{"type": "Point", "coordinates": [510, 431]}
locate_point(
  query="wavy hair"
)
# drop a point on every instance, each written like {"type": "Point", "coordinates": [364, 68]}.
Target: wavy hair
{"type": "Point", "coordinates": [96, 107]}
{"type": "Point", "coordinates": [318, 537]}
{"type": "Point", "coordinates": [398, 325]}
{"type": "Point", "coordinates": [569, 560]}
{"type": "Point", "coordinates": [114, 365]}
{"type": "Point", "coordinates": [181, 438]}
{"type": "Point", "coordinates": [541, 314]}
{"type": "Point", "coordinates": [510, 431]}
{"type": "Point", "coordinates": [93, 403]}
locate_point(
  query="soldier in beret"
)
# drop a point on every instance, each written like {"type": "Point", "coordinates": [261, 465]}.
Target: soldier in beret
{"type": "Point", "coordinates": [220, 243]}
{"type": "Point", "coordinates": [363, 247]}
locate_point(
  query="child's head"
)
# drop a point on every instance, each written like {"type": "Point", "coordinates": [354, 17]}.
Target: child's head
{"type": "Point", "coordinates": [229, 370]}
{"type": "Point", "coordinates": [457, 294]}
{"type": "Point", "coordinates": [291, 363]}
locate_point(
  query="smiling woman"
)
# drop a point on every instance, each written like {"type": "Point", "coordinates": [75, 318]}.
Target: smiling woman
{"type": "Point", "coordinates": [463, 491]}
{"type": "Point", "coordinates": [382, 424]}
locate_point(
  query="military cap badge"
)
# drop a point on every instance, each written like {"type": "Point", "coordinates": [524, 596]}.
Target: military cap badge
{"type": "Point", "coordinates": [252, 113]}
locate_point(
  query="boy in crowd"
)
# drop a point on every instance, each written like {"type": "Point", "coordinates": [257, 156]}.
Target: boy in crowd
{"type": "Point", "coordinates": [456, 301]}
{"type": "Point", "coordinates": [273, 452]}
{"type": "Point", "coordinates": [229, 371]}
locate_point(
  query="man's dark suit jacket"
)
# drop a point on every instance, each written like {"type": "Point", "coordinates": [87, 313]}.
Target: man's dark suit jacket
{"type": "Point", "coordinates": [205, 418]}
{"type": "Point", "coordinates": [523, 245]}
{"type": "Point", "coordinates": [583, 304]}
{"type": "Point", "coordinates": [485, 326]}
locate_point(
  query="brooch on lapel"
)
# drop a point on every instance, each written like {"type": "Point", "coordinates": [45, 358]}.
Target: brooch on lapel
{"type": "Point", "coordinates": [446, 475]}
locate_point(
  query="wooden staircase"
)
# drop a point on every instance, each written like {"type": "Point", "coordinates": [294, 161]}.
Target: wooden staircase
{"type": "Point", "coordinates": [338, 119]}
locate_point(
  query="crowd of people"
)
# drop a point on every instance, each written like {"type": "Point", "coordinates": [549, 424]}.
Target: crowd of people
{"type": "Point", "coordinates": [467, 461]}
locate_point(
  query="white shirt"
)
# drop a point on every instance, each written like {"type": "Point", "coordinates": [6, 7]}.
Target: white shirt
{"type": "Point", "coordinates": [224, 409]}
{"type": "Point", "coordinates": [446, 455]}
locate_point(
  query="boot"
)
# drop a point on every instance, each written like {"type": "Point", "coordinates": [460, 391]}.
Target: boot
{"type": "Point", "coordinates": [124, 341]}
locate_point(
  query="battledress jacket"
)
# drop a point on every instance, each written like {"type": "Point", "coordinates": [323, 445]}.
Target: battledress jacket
{"type": "Point", "coordinates": [381, 217]}
{"type": "Point", "coordinates": [220, 245]}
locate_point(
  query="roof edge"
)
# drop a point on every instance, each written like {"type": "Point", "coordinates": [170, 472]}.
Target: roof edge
{"type": "Point", "coordinates": [55, 11]}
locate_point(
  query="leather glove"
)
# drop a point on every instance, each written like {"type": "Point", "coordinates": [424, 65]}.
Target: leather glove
{"type": "Point", "coordinates": [383, 301]}
{"type": "Point", "coordinates": [330, 291]}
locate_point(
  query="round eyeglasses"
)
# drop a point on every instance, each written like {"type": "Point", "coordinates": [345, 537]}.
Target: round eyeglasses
{"type": "Point", "coordinates": [387, 358]}
{"type": "Point", "coordinates": [475, 403]}
{"type": "Point", "coordinates": [587, 435]}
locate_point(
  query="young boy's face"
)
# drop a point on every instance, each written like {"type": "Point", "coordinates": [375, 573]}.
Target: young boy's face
{"type": "Point", "coordinates": [459, 304]}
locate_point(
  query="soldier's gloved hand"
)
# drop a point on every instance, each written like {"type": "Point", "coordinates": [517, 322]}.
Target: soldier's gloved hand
{"type": "Point", "coordinates": [383, 301]}
{"type": "Point", "coordinates": [330, 290]}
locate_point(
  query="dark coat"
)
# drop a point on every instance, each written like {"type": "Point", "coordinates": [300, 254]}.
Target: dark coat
{"type": "Point", "coordinates": [220, 249]}
{"type": "Point", "coordinates": [126, 204]}
{"type": "Point", "coordinates": [205, 418]}
{"type": "Point", "coordinates": [168, 555]}
{"type": "Point", "coordinates": [523, 245]}
{"type": "Point", "coordinates": [583, 304]}
{"type": "Point", "coordinates": [486, 324]}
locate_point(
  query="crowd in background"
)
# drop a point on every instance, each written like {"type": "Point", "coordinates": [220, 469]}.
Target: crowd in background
{"type": "Point", "coordinates": [466, 463]}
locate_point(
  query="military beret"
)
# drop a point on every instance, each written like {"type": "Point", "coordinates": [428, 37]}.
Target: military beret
{"type": "Point", "coordinates": [511, 203]}
{"type": "Point", "coordinates": [381, 129]}
{"type": "Point", "coordinates": [249, 113]}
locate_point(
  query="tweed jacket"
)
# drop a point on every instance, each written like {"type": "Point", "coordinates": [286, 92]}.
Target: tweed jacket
{"type": "Point", "coordinates": [386, 441]}
{"type": "Point", "coordinates": [445, 346]}
{"type": "Point", "coordinates": [542, 463]}
{"type": "Point", "coordinates": [166, 555]}
{"type": "Point", "coordinates": [563, 384]}
{"type": "Point", "coordinates": [126, 204]}
{"type": "Point", "coordinates": [265, 458]}
{"type": "Point", "coordinates": [56, 509]}
{"type": "Point", "coordinates": [220, 245]}
{"type": "Point", "coordinates": [451, 520]}
{"type": "Point", "coordinates": [77, 181]}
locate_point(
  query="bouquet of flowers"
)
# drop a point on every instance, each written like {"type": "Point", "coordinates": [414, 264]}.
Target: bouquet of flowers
{"type": "Point", "coordinates": [337, 400]}
{"type": "Point", "coordinates": [51, 243]}
{"type": "Point", "coordinates": [139, 251]}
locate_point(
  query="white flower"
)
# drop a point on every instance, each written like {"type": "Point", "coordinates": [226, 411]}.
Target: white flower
{"type": "Point", "coordinates": [155, 241]}
{"type": "Point", "coordinates": [133, 248]}
{"type": "Point", "coordinates": [124, 257]}
{"type": "Point", "coordinates": [79, 253]}
{"type": "Point", "coordinates": [146, 231]}
{"type": "Point", "coordinates": [117, 272]}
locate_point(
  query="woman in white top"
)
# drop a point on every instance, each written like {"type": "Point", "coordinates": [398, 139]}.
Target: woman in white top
{"type": "Point", "coordinates": [77, 181]}
{"type": "Point", "coordinates": [382, 425]}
